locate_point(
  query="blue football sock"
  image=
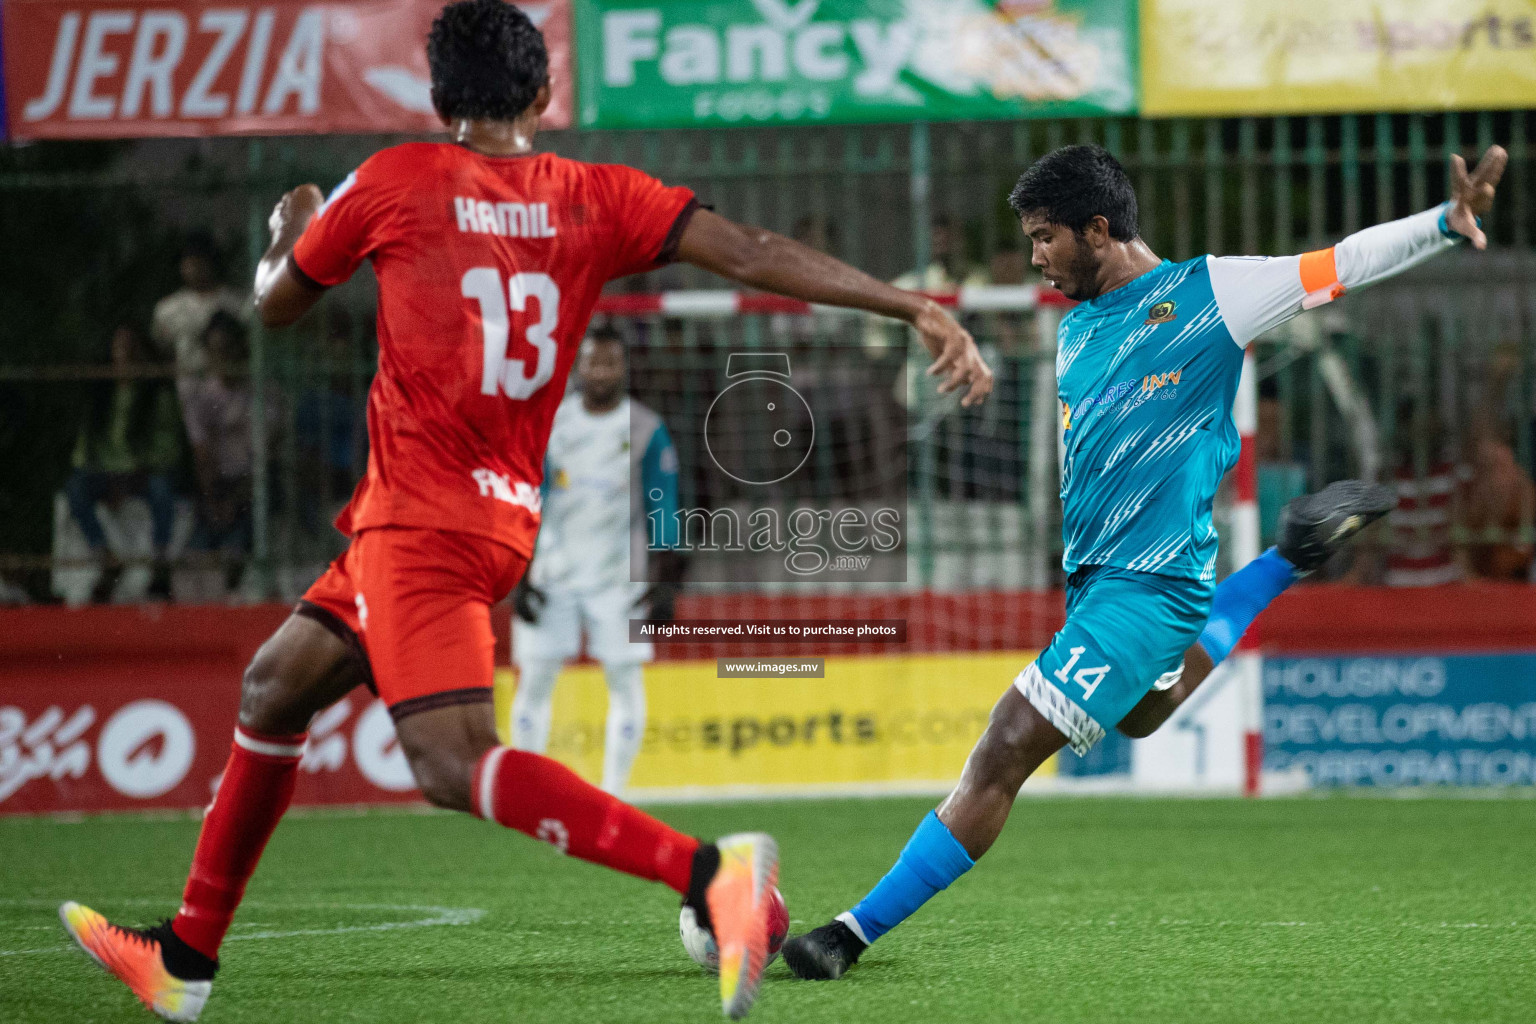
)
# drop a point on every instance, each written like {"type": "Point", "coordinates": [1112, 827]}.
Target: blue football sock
{"type": "Point", "coordinates": [1240, 597]}
{"type": "Point", "coordinates": [932, 859]}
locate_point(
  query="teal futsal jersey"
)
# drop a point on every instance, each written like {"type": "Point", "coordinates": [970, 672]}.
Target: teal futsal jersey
{"type": "Point", "coordinates": [1147, 375]}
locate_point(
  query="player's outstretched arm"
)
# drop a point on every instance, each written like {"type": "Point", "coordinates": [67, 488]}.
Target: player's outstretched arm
{"type": "Point", "coordinates": [281, 296]}
{"type": "Point", "coordinates": [762, 259]}
{"type": "Point", "coordinates": [1256, 295]}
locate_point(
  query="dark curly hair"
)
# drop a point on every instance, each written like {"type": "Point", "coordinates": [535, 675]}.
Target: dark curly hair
{"type": "Point", "coordinates": [1072, 185]}
{"type": "Point", "coordinates": [487, 60]}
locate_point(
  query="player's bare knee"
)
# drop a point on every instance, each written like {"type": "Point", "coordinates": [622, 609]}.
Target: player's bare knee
{"type": "Point", "coordinates": [269, 701]}
{"type": "Point", "coordinates": [1137, 729]}
{"type": "Point", "coordinates": [301, 669]}
{"type": "Point", "coordinates": [1011, 730]}
{"type": "Point", "coordinates": [444, 747]}
{"type": "Point", "coordinates": [444, 779]}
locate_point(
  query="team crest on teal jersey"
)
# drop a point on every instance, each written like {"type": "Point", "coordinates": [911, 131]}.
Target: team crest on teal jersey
{"type": "Point", "coordinates": [1162, 312]}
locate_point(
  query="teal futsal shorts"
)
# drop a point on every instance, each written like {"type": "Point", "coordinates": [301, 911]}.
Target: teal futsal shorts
{"type": "Point", "coordinates": [1125, 635]}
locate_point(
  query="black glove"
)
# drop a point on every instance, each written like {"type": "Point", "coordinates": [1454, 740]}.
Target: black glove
{"type": "Point", "coordinates": [527, 601]}
{"type": "Point", "coordinates": [668, 569]}
{"type": "Point", "coordinates": [660, 601]}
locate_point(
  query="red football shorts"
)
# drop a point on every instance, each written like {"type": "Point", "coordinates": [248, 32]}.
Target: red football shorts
{"type": "Point", "coordinates": [417, 605]}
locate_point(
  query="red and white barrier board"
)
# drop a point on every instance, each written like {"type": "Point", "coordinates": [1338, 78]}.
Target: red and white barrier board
{"type": "Point", "coordinates": [283, 67]}
{"type": "Point", "coordinates": [125, 709]}
{"type": "Point", "coordinates": [723, 302]}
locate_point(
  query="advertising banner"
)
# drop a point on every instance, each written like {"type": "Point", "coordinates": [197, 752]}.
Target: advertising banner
{"type": "Point", "coordinates": [159, 737]}
{"type": "Point", "coordinates": [1459, 720]}
{"type": "Point", "coordinates": [679, 63]}
{"type": "Point", "coordinates": [131, 708]}
{"type": "Point", "coordinates": [135, 69]}
{"type": "Point", "coordinates": [1319, 56]}
{"type": "Point", "coordinates": [866, 724]}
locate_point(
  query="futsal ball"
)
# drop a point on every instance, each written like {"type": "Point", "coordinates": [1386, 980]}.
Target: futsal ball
{"type": "Point", "coordinates": [701, 945]}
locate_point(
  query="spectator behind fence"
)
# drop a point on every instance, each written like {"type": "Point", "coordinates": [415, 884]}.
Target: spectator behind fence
{"type": "Point", "coordinates": [1426, 476]}
{"type": "Point", "coordinates": [1498, 506]}
{"type": "Point", "coordinates": [217, 409]}
{"type": "Point", "coordinates": [948, 270]}
{"type": "Point", "coordinates": [330, 431]}
{"type": "Point", "coordinates": [129, 444]}
{"type": "Point", "coordinates": [181, 318]}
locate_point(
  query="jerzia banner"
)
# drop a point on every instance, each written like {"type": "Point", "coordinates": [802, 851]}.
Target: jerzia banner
{"type": "Point", "coordinates": [136, 69]}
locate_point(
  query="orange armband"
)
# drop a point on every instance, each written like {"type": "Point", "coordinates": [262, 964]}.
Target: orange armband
{"type": "Point", "coordinates": [1319, 278]}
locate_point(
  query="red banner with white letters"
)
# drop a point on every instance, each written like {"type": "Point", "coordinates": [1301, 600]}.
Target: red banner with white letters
{"type": "Point", "coordinates": [130, 708]}
{"type": "Point", "coordinates": [136, 69]}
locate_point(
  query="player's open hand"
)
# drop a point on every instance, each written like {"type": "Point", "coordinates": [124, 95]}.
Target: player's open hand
{"type": "Point", "coordinates": [955, 357]}
{"type": "Point", "coordinates": [295, 209]}
{"type": "Point", "coordinates": [1472, 193]}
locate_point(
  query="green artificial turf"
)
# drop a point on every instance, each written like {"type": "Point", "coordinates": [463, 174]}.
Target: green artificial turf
{"type": "Point", "coordinates": [1089, 910]}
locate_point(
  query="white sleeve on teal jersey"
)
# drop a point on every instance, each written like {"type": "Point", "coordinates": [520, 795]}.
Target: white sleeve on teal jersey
{"type": "Point", "coordinates": [1258, 293]}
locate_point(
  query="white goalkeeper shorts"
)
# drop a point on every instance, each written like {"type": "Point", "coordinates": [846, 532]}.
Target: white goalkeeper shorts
{"type": "Point", "coordinates": [601, 617]}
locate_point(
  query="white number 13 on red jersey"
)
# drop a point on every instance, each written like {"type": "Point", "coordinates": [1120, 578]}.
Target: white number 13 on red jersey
{"type": "Point", "coordinates": [500, 374]}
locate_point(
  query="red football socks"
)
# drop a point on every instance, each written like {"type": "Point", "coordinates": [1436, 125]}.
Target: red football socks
{"type": "Point", "coordinates": [544, 799]}
{"type": "Point", "coordinates": [257, 786]}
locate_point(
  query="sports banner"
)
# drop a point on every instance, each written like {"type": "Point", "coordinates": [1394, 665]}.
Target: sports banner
{"type": "Point", "coordinates": [1320, 56]}
{"type": "Point", "coordinates": [133, 69]}
{"type": "Point", "coordinates": [868, 724]}
{"type": "Point", "coordinates": [678, 63]}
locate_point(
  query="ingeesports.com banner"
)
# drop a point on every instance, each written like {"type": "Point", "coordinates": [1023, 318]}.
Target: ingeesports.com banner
{"type": "Point", "coordinates": [869, 723]}
{"type": "Point", "coordinates": [678, 63]}
{"type": "Point", "coordinates": [1315, 56]}
{"type": "Point", "coordinates": [133, 69]}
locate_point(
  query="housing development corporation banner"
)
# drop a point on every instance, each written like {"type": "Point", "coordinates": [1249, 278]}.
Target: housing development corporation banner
{"type": "Point", "coordinates": [137, 68]}
{"type": "Point", "coordinates": [1201, 57]}
{"type": "Point", "coordinates": [1416, 720]}
{"type": "Point", "coordinates": [678, 63]}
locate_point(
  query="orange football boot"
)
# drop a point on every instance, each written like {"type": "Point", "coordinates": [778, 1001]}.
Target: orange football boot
{"type": "Point", "coordinates": [740, 905]}
{"type": "Point", "coordinates": [136, 956]}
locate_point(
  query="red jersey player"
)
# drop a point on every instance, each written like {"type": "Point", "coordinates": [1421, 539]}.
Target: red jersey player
{"type": "Point", "coordinates": [489, 259]}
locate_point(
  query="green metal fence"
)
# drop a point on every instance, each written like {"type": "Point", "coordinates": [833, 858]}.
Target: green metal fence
{"type": "Point", "coordinates": [1455, 340]}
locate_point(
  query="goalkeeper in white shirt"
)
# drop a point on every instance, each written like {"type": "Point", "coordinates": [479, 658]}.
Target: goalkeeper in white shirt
{"type": "Point", "coordinates": [592, 546]}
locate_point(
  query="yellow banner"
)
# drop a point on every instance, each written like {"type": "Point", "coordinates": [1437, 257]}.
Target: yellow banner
{"type": "Point", "coordinates": [1201, 57]}
{"type": "Point", "coordinates": [874, 723]}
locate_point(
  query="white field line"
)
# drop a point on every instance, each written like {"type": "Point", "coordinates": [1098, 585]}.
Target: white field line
{"type": "Point", "coordinates": [1162, 923]}
{"type": "Point", "coordinates": [433, 917]}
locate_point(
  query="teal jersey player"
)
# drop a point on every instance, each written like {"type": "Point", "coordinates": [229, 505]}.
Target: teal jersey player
{"type": "Point", "coordinates": [1147, 371]}
{"type": "Point", "coordinates": [1146, 375]}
